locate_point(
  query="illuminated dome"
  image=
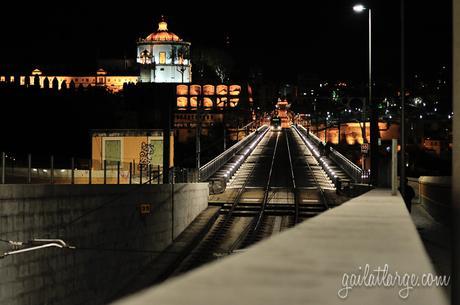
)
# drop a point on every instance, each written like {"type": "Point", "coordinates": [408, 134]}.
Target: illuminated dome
{"type": "Point", "coordinates": [164, 57]}
{"type": "Point", "coordinates": [162, 34]}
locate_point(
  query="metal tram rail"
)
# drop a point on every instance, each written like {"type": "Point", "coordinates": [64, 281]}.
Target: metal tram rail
{"type": "Point", "coordinates": [247, 236]}
{"type": "Point", "coordinates": [318, 185]}
{"type": "Point", "coordinates": [205, 251]}
{"type": "Point", "coordinates": [294, 187]}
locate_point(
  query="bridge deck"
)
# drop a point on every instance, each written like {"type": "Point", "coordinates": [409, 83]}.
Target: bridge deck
{"type": "Point", "coordinates": [305, 264]}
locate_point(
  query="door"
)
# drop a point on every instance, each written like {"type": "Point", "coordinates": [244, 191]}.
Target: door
{"type": "Point", "coordinates": [157, 154]}
{"type": "Point", "coordinates": [112, 152]}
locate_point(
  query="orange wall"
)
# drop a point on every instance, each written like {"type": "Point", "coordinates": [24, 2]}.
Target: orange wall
{"type": "Point", "coordinates": [351, 132]}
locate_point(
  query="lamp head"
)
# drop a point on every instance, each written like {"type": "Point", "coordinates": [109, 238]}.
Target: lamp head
{"type": "Point", "coordinates": [358, 8]}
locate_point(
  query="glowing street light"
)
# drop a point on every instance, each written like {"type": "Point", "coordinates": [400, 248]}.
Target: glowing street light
{"type": "Point", "coordinates": [359, 8]}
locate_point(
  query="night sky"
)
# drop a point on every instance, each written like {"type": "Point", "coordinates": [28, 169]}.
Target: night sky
{"type": "Point", "coordinates": [324, 38]}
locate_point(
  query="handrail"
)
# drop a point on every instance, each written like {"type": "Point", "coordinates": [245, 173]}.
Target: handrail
{"type": "Point", "coordinates": [313, 136]}
{"type": "Point", "coordinates": [318, 157]}
{"type": "Point", "coordinates": [215, 164]}
{"type": "Point", "coordinates": [354, 171]}
{"type": "Point", "coordinates": [351, 169]}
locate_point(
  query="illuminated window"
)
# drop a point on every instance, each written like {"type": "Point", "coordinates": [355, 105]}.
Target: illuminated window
{"type": "Point", "coordinates": [208, 90]}
{"type": "Point", "coordinates": [233, 102]}
{"type": "Point", "coordinates": [222, 90]}
{"type": "Point", "coordinates": [162, 58]}
{"type": "Point", "coordinates": [193, 102]}
{"type": "Point", "coordinates": [207, 102]}
{"type": "Point", "coordinates": [182, 90]}
{"type": "Point", "coordinates": [195, 90]}
{"type": "Point", "coordinates": [235, 89]}
{"type": "Point", "coordinates": [221, 101]}
{"type": "Point", "coordinates": [181, 102]}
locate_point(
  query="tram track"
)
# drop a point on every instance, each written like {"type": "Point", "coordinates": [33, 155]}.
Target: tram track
{"type": "Point", "coordinates": [251, 211]}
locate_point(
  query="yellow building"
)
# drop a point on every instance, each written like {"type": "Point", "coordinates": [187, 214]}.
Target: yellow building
{"type": "Point", "coordinates": [142, 148]}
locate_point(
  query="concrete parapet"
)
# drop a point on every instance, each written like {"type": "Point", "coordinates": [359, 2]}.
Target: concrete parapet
{"type": "Point", "coordinates": [436, 196]}
{"type": "Point", "coordinates": [308, 263]}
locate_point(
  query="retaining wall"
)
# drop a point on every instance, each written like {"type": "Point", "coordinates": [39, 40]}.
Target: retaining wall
{"type": "Point", "coordinates": [114, 241]}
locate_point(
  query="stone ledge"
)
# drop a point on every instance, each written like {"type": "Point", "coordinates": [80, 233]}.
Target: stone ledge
{"type": "Point", "coordinates": [305, 265]}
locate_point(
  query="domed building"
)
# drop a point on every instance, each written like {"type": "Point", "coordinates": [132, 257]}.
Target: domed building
{"type": "Point", "coordinates": [164, 57]}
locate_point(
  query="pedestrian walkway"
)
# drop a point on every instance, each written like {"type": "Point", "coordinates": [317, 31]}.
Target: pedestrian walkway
{"type": "Point", "coordinates": [313, 262]}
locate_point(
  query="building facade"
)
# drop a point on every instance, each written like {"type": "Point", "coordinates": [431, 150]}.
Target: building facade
{"type": "Point", "coordinates": [164, 57]}
{"type": "Point", "coordinates": [141, 148]}
{"type": "Point", "coordinates": [113, 83]}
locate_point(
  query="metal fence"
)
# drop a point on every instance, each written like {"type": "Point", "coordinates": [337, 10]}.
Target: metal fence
{"type": "Point", "coordinates": [29, 169]}
{"type": "Point", "coordinates": [207, 170]}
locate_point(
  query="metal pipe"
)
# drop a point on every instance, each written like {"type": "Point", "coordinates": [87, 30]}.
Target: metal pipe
{"type": "Point", "coordinates": [105, 171]}
{"type": "Point", "coordinates": [29, 171]}
{"type": "Point", "coordinates": [72, 178]}
{"type": "Point", "coordinates": [118, 172]}
{"type": "Point", "coordinates": [150, 173]}
{"type": "Point", "coordinates": [130, 173]}
{"type": "Point", "coordinates": [52, 169]}
{"type": "Point", "coordinates": [3, 167]}
{"type": "Point", "coordinates": [402, 174]}
{"type": "Point", "coordinates": [140, 173]}
{"type": "Point", "coordinates": [394, 166]}
{"type": "Point", "coordinates": [90, 171]}
{"type": "Point", "coordinates": [158, 175]}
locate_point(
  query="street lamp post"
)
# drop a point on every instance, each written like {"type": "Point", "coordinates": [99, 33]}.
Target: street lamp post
{"type": "Point", "coordinates": [402, 174]}
{"type": "Point", "coordinates": [374, 133]}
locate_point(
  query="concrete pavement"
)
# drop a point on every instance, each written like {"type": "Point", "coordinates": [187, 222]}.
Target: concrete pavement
{"type": "Point", "coordinates": [312, 262]}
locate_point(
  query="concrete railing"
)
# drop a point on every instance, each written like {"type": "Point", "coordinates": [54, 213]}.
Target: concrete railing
{"type": "Point", "coordinates": [435, 194]}
{"type": "Point", "coordinates": [313, 262]}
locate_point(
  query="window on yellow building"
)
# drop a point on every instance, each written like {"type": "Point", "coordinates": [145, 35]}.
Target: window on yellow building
{"type": "Point", "coordinates": [162, 57]}
{"type": "Point", "coordinates": [156, 156]}
{"type": "Point", "coordinates": [112, 152]}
